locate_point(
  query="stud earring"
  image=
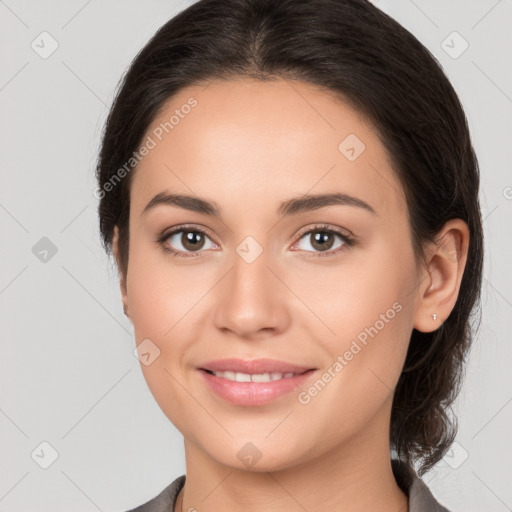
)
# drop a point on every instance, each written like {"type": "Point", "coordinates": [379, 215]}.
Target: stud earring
{"type": "Point", "coordinates": [434, 316]}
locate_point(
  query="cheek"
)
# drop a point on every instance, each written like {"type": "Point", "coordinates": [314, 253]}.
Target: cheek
{"type": "Point", "coordinates": [161, 300]}
{"type": "Point", "coordinates": [363, 364]}
{"type": "Point", "coordinates": [161, 294]}
{"type": "Point", "coordinates": [363, 313]}
{"type": "Point", "coordinates": [343, 299]}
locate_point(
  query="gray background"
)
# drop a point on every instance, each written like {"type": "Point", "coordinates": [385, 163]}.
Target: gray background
{"type": "Point", "coordinates": [68, 374]}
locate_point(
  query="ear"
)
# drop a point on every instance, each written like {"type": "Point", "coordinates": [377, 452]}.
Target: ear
{"type": "Point", "coordinates": [439, 288]}
{"type": "Point", "coordinates": [122, 277]}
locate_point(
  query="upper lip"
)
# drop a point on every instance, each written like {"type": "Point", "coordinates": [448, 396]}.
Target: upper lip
{"type": "Point", "coordinates": [254, 366]}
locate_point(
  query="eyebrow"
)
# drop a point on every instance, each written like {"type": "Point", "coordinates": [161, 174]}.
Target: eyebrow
{"type": "Point", "coordinates": [290, 207]}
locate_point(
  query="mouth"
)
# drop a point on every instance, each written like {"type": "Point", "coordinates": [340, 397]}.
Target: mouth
{"type": "Point", "coordinates": [254, 389]}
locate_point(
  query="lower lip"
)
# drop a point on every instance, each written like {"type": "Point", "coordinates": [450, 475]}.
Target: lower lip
{"type": "Point", "coordinates": [254, 393]}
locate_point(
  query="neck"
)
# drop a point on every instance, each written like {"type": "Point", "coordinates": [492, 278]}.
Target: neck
{"type": "Point", "coordinates": [353, 476]}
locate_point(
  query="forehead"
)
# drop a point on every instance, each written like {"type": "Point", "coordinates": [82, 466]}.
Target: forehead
{"type": "Point", "coordinates": [255, 142]}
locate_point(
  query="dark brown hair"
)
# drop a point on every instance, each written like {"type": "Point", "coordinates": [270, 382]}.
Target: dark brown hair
{"type": "Point", "coordinates": [362, 55]}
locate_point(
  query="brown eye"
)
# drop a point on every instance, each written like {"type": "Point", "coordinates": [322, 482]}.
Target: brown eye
{"type": "Point", "coordinates": [186, 241]}
{"type": "Point", "coordinates": [192, 240]}
{"type": "Point", "coordinates": [322, 240]}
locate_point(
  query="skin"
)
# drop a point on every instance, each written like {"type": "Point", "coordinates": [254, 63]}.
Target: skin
{"type": "Point", "coordinates": [248, 146]}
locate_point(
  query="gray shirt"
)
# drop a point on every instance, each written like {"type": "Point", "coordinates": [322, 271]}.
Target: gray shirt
{"type": "Point", "coordinates": [420, 497]}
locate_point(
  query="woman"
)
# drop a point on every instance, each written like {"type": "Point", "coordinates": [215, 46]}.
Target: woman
{"type": "Point", "coordinates": [291, 195]}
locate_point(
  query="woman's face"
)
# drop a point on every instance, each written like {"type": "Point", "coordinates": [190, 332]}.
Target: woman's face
{"type": "Point", "coordinates": [256, 284]}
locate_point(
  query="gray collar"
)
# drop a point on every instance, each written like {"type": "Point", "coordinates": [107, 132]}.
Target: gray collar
{"type": "Point", "coordinates": [420, 497]}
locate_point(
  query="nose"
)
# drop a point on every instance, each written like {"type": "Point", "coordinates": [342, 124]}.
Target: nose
{"type": "Point", "coordinates": [252, 301]}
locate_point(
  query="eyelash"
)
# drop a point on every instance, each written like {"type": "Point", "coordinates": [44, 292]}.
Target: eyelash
{"type": "Point", "coordinates": [348, 241]}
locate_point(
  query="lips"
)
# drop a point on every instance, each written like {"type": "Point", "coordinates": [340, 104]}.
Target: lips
{"type": "Point", "coordinates": [245, 391]}
{"type": "Point", "coordinates": [254, 366]}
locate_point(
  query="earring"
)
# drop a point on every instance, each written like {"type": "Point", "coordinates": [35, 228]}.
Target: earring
{"type": "Point", "coordinates": [124, 309]}
{"type": "Point", "coordinates": [434, 316]}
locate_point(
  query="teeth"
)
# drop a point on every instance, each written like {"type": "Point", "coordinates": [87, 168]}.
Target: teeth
{"type": "Point", "coordinates": [257, 377]}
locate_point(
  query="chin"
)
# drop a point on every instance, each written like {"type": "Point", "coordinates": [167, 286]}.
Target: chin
{"type": "Point", "coordinates": [255, 457]}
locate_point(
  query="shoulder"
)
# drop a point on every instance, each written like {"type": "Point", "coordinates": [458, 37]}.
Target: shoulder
{"type": "Point", "coordinates": [165, 500]}
{"type": "Point", "coordinates": [421, 498]}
